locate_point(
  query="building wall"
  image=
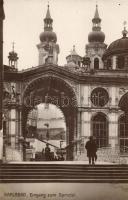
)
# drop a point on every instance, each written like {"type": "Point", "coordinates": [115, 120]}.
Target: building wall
{"type": "Point", "coordinates": [86, 110]}
{"type": "Point", "coordinates": [111, 110]}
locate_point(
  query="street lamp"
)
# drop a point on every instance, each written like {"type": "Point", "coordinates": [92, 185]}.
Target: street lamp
{"type": "Point", "coordinates": [61, 142]}
{"type": "Point", "coordinates": [47, 134]}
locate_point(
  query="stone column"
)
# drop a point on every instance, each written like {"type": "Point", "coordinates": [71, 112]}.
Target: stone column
{"type": "Point", "coordinates": [85, 126]}
{"type": "Point", "coordinates": [13, 152]}
{"type": "Point", "coordinates": [13, 127]}
{"type": "Point", "coordinates": [113, 129]}
{"type": "Point", "coordinates": [18, 130]}
{"type": "Point", "coordinates": [114, 62]}
{"type": "Point", "coordinates": [78, 132]}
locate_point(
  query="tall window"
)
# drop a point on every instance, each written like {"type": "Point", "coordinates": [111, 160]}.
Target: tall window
{"type": "Point", "coordinates": [120, 62]}
{"type": "Point", "coordinates": [96, 63]}
{"type": "Point", "coordinates": [100, 130]}
{"type": "Point", "coordinates": [123, 133]}
{"type": "Point", "coordinates": [109, 64]}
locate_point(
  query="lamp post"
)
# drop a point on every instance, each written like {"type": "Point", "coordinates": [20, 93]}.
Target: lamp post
{"type": "Point", "coordinates": [47, 134]}
{"type": "Point", "coordinates": [61, 142]}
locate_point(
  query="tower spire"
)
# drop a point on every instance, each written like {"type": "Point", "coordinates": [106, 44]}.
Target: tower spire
{"type": "Point", "coordinates": [48, 21]}
{"type": "Point", "coordinates": [124, 32]}
{"type": "Point", "coordinates": [96, 16]}
{"type": "Point", "coordinates": [48, 16]}
{"type": "Point", "coordinates": [96, 20]}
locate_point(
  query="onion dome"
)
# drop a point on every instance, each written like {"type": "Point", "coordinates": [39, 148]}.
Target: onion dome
{"type": "Point", "coordinates": [48, 35]}
{"type": "Point", "coordinates": [96, 35]}
{"type": "Point", "coordinates": [118, 46]}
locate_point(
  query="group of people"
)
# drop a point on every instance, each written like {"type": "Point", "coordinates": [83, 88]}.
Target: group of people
{"type": "Point", "coordinates": [49, 156]}
{"type": "Point", "coordinates": [90, 147]}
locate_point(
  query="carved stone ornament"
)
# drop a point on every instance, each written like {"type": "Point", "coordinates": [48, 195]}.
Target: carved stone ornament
{"type": "Point", "coordinates": [74, 87]}
{"type": "Point", "coordinates": [122, 91]}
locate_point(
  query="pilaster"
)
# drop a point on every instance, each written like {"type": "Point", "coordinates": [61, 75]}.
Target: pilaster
{"type": "Point", "coordinates": [113, 129]}
{"type": "Point", "coordinates": [114, 62]}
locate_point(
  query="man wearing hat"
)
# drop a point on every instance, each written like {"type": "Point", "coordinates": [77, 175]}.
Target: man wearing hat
{"type": "Point", "coordinates": [91, 150]}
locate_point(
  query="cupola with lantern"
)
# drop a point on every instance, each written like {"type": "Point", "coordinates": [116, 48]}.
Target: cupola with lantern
{"type": "Point", "coordinates": [48, 47]}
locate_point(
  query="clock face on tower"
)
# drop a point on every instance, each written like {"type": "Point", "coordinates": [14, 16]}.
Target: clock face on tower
{"type": "Point", "coordinates": [99, 97]}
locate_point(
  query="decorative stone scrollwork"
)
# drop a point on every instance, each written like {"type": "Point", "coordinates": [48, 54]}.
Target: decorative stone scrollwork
{"type": "Point", "coordinates": [14, 94]}
{"type": "Point", "coordinates": [122, 91]}
{"type": "Point", "coordinates": [99, 97]}
{"type": "Point", "coordinates": [74, 87]}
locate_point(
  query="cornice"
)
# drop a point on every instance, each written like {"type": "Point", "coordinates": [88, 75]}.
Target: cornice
{"type": "Point", "coordinates": [98, 77]}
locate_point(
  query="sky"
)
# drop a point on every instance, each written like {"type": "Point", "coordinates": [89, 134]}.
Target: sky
{"type": "Point", "coordinates": [72, 23]}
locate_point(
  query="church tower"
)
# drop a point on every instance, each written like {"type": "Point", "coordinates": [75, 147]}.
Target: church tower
{"type": "Point", "coordinates": [48, 49]}
{"type": "Point", "coordinates": [96, 46]}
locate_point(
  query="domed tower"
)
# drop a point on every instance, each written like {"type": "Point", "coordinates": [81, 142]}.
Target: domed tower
{"type": "Point", "coordinates": [48, 49]}
{"type": "Point", "coordinates": [116, 55]}
{"type": "Point", "coordinates": [73, 59]}
{"type": "Point", "coordinates": [96, 46]}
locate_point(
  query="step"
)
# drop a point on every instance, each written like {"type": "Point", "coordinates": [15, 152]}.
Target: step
{"type": "Point", "coordinates": [14, 173]}
{"type": "Point", "coordinates": [64, 180]}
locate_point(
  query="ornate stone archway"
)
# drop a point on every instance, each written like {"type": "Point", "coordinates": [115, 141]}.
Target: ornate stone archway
{"type": "Point", "coordinates": [55, 91]}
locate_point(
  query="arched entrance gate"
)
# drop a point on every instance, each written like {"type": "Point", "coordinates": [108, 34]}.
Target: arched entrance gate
{"type": "Point", "coordinates": [55, 91]}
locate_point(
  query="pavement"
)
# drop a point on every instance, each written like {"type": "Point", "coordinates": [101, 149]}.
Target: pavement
{"type": "Point", "coordinates": [63, 162]}
{"type": "Point", "coordinates": [64, 191]}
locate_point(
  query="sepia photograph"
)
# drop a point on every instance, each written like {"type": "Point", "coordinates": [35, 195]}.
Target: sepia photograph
{"type": "Point", "coordinates": [64, 99]}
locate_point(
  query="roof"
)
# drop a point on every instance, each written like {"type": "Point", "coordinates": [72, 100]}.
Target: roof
{"type": "Point", "coordinates": [117, 47]}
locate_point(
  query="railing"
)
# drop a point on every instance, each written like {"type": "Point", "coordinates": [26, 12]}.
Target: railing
{"type": "Point", "coordinates": [46, 142]}
{"type": "Point", "coordinates": [13, 154]}
{"type": "Point", "coordinates": [115, 155]}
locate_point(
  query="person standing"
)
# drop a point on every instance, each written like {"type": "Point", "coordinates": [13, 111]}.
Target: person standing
{"type": "Point", "coordinates": [47, 152]}
{"type": "Point", "coordinates": [91, 150]}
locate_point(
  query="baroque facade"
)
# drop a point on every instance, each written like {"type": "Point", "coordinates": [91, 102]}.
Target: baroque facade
{"type": "Point", "coordinates": [91, 91]}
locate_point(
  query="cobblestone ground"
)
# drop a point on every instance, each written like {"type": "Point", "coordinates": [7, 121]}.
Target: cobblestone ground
{"type": "Point", "coordinates": [64, 191]}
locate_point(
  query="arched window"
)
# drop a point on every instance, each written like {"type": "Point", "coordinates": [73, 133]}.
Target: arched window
{"type": "Point", "coordinates": [96, 63]}
{"type": "Point", "coordinates": [109, 64]}
{"type": "Point", "coordinates": [100, 130]}
{"type": "Point", "coordinates": [120, 62]}
{"type": "Point", "coordinates": [123, 133]}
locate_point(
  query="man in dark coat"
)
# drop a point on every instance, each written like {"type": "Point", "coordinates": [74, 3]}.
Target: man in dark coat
{"type": "Point", "coordinates": [47, 152]}
{"type": "Point", "coordinates": [91, 150]}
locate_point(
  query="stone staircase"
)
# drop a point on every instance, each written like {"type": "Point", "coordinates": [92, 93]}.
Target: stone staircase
{"type": "Point", "coordinates": [56, 172]}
